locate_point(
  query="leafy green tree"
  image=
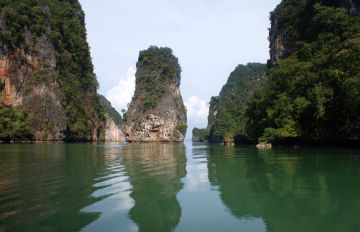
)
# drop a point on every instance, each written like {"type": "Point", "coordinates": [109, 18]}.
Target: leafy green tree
{"type": "Point", "coordinates": [313, 94]}
{"type": "Point", "coordinates": [13, 125]}
{"type": "Point", "coordinates": [228, 121]}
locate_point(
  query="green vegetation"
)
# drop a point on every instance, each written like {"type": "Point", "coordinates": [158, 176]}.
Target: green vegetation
{"type": "Point", "coordinates": [18, 15]}
{"type": "Point", "coordinates": [76, 75]}
{"type": "Point", "coordinates": [181, 127]}
{"type": "Point", "coordinates": [227, 117]}
{"type": "Point", "coordinates": [270, 179]}
{"type": "Point", "coordinates": [313, 94]}
{"type": "Point", "coordinates": [213, 107]}
{"type": "Point", "coordinates": [199, 135]}
{"type": "Point", "coordinates": [110, 111]}
{"type": "Point", "coordinates": [157, 66]}
{"type": "Point", "coordinates": [13, 125]}
{"type": "Point", "coordinates": [157, 101]}
{"type": "Point", "coordinates": [63, 22]}
{"type": "Point", "coordinates": [149, 103]}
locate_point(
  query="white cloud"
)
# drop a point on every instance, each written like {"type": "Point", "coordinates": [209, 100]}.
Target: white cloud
{"type": "Point", "coordinates": [197, 108]}
{"type": "Point", "coordinates": [121, 94]}
{"type": "Point", "coordinates": [197, 176]}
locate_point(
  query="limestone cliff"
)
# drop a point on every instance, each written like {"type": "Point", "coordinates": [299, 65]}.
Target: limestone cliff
{"type": "Point", "coordinates": [46, 70]}
{"type": "Point", "coordinates": [227, 113]}
{"type": "Point", "coordinates": [28, 82]}
{"type": "Point", "coordinates": [287, 18]}
{"type": "Point", "coordinates": [312, 95]}
{"type": "Point", "coordinates": [281, 43]}
{"type": "Point", "coordinates": [213, 111]}
{"type": "Point", "coordinates": [111, 132]}
{"type": "Point", "coordinates": [156, 112]}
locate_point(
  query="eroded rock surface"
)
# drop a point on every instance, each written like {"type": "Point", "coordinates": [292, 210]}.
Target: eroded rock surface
{"type": "Point", "coordinates": [157, 112]}
{"type": "Point", "coordinates": [46, 71]}
{"type": "Point", "coordinates": [113, 132]}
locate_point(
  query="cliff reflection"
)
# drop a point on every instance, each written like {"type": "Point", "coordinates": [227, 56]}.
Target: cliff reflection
{"type": "Point", "coordinates": [155, 171]}
{"type": "Point", "coordinates": [43, 187]}
{"type": "Point", "coordinates": [292, 190]}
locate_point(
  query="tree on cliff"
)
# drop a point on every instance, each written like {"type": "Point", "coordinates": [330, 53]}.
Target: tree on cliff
{"type": "Point", "coordinates": [227, 112]}
{"type": "Point", "coordinates": [313, 93]}
{"type": "Point", "coordinates": [13, 125]}
{"type": "Point", "coordinates": [39, 29]}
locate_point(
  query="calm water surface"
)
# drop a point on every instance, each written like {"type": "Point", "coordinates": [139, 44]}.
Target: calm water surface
{"type": "Point", "coordinates": [175, 187]}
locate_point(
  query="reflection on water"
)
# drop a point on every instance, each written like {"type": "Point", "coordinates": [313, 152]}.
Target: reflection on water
{"type": "Point", "coordinates": [155, 171]}
{"type": "Point", "coordinates": [62, 187]}
{"type": "Point", "coordinates": [113, 188]}
{"type": "Point", "coordinates": [202, 207]}
{"type": "Point", "coordinates": [143, 183]}
{"type": "Point", "coordinates": [43, 187]}
{"type": "Point", "coordinates": [291, 190]}
{"type": "Point", "coordinates": [173, 187]}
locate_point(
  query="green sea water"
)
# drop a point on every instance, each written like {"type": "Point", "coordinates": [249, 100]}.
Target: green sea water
{"type": "Point", "coordinates": [178, 187]}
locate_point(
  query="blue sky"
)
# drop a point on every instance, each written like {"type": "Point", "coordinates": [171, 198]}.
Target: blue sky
{"type": "Point", "coordinates": [210, 38]}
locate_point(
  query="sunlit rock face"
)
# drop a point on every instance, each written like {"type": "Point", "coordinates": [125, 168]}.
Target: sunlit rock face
{"type": "Point", "coordinates": [157, 112]}
{"type": "Point", "coordinates": [113, 132]}
{"type": "Point", "coordinates": [46, 70]}
{"type": "Point", "coordinates": [28, 82]}
{"type": "Point", "coordinates": [111, 129]}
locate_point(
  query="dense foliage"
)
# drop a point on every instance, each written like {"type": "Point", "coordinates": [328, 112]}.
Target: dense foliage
{"type": "Point", "coordinates": [77, 78]}
{"type": "Point", "coordinates": [228, 118]}
{"type": "Point", "coordinates": [313, 94]}
{"type": "Point", "coordinates": [63, 22]}
{"type": "Point", "coordinates": [199, 135]}
{"type": "Point", "coordinates": [13, 125]}
{"type": "Point", "coordinates": [157, 66]}
{"type": "Point", "coordinates": [19, 14]}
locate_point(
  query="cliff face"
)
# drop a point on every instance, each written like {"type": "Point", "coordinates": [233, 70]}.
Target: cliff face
{"type": "Point", "coordinates": [46, 70]}
{"type": "Point", "coordinates": [227, 119]}
{"type": "Point", "coordinates": [156, 112]}
{"type": "Point", "coordinates": [28, 82]}
{"type": "Point", "coordinates": [286, 19]}
{"type": "Point", "coordinates": [111, 131]}
{"type": "Point", "coordinates": [313, 89]}
{"type": "Point", "coordinates": [281, 43]}
{"type": "Point", "coordinates": [213, 111]}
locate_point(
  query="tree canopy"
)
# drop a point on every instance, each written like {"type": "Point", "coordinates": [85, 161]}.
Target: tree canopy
{"type": "Point", "coordinates": [313, 94]}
